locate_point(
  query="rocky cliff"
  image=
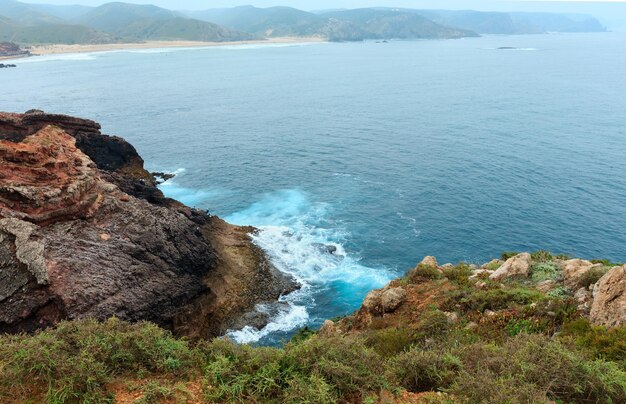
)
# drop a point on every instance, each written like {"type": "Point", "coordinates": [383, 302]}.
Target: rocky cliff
{"type": "Point", "coordinates": [85, 232]}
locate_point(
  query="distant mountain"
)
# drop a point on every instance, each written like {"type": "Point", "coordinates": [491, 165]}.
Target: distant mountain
{"type": "Point", "coordinates": [67, 13]}
{"type": "Point", "coordinates": [341, 25]}
{"type": "Point", "coordinates": [112, 17]}
{"type": "Point", "coordinates": [387, 24]}
{"type": "Point", "coordinates": [147, 22]}
{"type": "Point", "coordinates": [53, 34]}
{"type": "Point", "coordinates": [513, 23]}
{"type": "Point", "coordinates": [123, 22]}
{"type": "Point", "coordinates": [22, 13]}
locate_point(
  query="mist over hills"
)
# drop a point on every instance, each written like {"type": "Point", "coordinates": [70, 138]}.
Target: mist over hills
{"type": "Point", "coordinates": [124, 22]}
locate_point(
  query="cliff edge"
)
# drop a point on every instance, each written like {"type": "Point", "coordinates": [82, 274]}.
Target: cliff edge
{"type": "Point", "coordinates": [85, 232]}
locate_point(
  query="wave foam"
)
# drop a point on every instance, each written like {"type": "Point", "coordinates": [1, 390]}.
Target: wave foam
{"type": "Point", "coordinates": [292, 236]}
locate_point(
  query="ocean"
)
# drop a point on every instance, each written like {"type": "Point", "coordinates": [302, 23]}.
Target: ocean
{"type": "Point", "coordinates": [357, 159]}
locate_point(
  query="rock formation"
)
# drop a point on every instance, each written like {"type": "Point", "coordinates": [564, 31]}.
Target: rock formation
{"type": "Point", "coordinates": [609, 298]}
{"type": "Point", "coordinates": [518, 265]}
{"type": "Point", "coordinates": [85, 232]}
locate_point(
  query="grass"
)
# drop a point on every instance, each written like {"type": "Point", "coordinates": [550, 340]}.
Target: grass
{"type": "Point", "coordinates": [531, 347]}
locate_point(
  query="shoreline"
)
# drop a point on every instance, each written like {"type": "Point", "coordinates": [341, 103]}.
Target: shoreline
{"type": "Point", "coordinates": [56, 49]}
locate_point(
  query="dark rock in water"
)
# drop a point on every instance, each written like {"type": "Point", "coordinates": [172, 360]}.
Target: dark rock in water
{"type": "Point", "coordinates": [85, 232]}
{"type": "Point", "coordinates": [326, 248]}
{"type": "Point", "coordinates": [161, 177]}
{"type": "Point", "coordinates": [3, 66]}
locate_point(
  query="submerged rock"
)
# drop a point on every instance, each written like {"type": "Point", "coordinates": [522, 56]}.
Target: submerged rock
{"type": "Point", "coordinates": [85, 232]}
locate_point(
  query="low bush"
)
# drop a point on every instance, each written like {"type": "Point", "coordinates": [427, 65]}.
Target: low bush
{"type": "Point", "coordinates": [544, 271]}
{"type": "Point", "coordinates": [508, 254]}
{"type": "Point", "coordinates": [602, 343]}
{"type": "Point", "coordinates": [418, 370]}
{"type": "Point", "coordinates": [592, 276]}
{"type": "Point", "coordinates": [541, 256]}
{"type": "Point", "coordinates": [424, 272]}
{"type": "Point", "coordinates": [458, 274]}
{"type": "Point", "coordinates": [492, 299]}
{"type": "Point", "coordinates": [74, 361]}
{"type": "Point", "coordinates": [391, 341]}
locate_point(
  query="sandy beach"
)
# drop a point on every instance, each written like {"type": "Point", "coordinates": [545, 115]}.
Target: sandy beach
{"type": "Point", "coordinates": [59, 49]}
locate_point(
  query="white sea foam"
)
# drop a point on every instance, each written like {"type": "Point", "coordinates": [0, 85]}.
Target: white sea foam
{"type": "Point", "coordinates": [51, 58]}
{"type": "Point", "coordinates": [292, 235]}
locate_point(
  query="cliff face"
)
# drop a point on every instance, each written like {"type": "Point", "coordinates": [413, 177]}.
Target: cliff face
{"type": "Point", "coordinates": [84, 232]}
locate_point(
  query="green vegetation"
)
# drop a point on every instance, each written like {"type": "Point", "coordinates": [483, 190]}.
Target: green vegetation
{"type": "Point", "coordinates": [497, 342]}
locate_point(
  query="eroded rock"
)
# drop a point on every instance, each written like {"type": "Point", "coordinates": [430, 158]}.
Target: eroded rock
{"type": "Point", "coordinates": [518, 265]}
{"type": "Point", "coordinates": [609, 299]}
{"type": "Point", "coordinates": [392, 298]}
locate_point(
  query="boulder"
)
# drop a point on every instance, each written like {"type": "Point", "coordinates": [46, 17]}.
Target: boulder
{"type": "Point", "coordinates": [429, 261]}
{"type": "Point", "coordinates": [372, 303]}
{"type": "Point", "coordinates": [574, 269]}
{"type": "Point", "coordinates": [583, 298]}
{"type": "Point", "coordinates": [328, 329]}
{"type": "Point", "coordinates": [518, 265]}
{"type": "Point", "coordinates": [545, 286]}
{"type": "Point", "coordinates": [609, 299]}
{"type": "Point", "coordinates": [392, 298]}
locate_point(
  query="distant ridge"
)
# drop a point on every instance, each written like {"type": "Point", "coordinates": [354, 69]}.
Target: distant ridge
{"type": "Point", "coordinates": [123, 22]}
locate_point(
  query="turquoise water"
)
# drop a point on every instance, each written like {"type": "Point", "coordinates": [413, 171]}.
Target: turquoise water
{"type": "Point", "coordinates": [358, 159]}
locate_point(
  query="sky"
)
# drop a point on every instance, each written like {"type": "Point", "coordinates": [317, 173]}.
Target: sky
{"type": "Point", "coordinates": [610, 12]}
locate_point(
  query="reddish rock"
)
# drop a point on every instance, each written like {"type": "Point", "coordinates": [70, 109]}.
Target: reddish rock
{"type": "Point", "coordinates": [84, 232]}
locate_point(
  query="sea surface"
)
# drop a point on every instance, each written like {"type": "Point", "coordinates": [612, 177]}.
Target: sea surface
{"type": "Point", "coordinates": [357, 159]}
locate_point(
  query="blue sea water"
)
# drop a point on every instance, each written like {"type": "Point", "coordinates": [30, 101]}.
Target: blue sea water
{"type": "Point", "coordinates": [357, 159]}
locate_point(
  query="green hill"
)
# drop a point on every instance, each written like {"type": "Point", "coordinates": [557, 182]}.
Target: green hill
{"type": "Point", "coordinates": [23, 13]}
{"type": "Point", "coordinates": [388, 24]}
{"type": "Point", "coordinates": [180, 28]}
{"type": "Point", "coordinates": [147, 22]}
{"type": "Point", "coordinates": [112, 17]}
{"type": "Point", "coordinates": [343, 25]}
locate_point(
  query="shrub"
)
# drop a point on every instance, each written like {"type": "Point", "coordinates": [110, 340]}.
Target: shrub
{"type": "Point", "coordinates": [532, 368]}
{"type": "Point", "coordinates": [418, 370]}
{"type": "Point", "coordinates": [543, 271]}
{"type": "Point", "coordinates": [424, 272]}
{"type": "Point", "coordinates": [346, 363]}
{"type": "Point", "coordinates": [508, 254]}
{"type": "Point", "coordinates": [391, 341]}
{"type": "Point", "coordinates": [603, 343]}
{"type": "Point", "coordinates": [74, 361]}
{"type": "Point", "coordinates": [492, 299]}
{"type": "Point", "coordinates": [433, 323]}
{"type": "Point", "coordinates": [592, 276]}
{"type": "Point", "coordinates": [458, 274]}
{"type": "Point", "coordinates": [541, 256]}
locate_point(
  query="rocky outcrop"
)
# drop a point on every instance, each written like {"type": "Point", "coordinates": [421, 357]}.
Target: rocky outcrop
{"type": "Point", "coordinates": [10, 49]}
{"type": "Point", "coordinates": [574, 270]}
{"type": "Point", "coordinates": [609, 299]}
{"type": "Point", "coordinates": [84, 232]}
{"type": "Point", "coordinates": [518, 265]}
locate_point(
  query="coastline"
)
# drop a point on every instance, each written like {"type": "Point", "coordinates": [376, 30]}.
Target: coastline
{"type": "Point", "coordinates": [43, 50]}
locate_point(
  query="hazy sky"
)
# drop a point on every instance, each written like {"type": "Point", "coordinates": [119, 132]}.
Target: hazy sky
{"type": "Point", "coordinates": [322, 4]}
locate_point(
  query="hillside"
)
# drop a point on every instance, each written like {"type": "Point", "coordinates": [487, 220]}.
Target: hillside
{"type": "Point", "coordinates": [528, 328]}
{"type": "Point", "coordinates": [513, 23]}
{"type": "Point", "coordinates": [392, 24]}
{"type": "Point", "coordinates": [347, 25]}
